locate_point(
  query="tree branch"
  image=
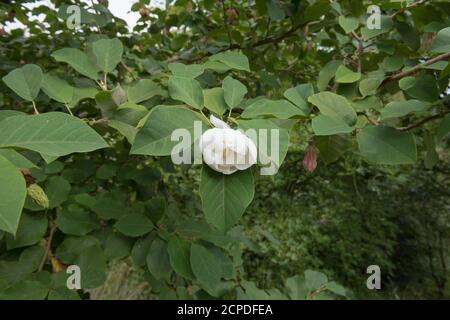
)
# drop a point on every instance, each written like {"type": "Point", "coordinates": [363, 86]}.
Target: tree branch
{"type": "Point", "coordinates": [415, 69]}
{"type": "Point", "coordinates": [47, 250]}
{"type": "Point", "coordinates": [267, 40]}
{"type": "Point", "coordinates": [421, 122]}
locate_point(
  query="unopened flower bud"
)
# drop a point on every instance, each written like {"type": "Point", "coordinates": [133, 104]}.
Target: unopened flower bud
{"type": "Point", "coordinates": [38, 195]}
{"type": "Point", "coordinates": [310, 158]}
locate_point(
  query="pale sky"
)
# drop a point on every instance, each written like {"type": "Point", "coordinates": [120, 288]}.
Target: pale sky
{"type": "Point", "coordinates": [120, 8]}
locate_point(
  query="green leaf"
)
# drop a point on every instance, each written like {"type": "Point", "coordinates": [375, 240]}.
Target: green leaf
{"type": "Point", "coordinates": [158, 259]}
{"type": "Point", "coordinates": [325, 125]}
{"type": "Point", "coordinates": [108, 53]}
{"type": "Point", "coordinates": [348, 24]}
{"type": "Point", "coordinates": [444, 128]}
{"type": "Point", "coordinates": [234, 91]}
{"type": "Point", "coordinates": [154, 138]}
{"type": "Point", "coordinates": [333, 105]}
{"type": "Point", "coordinates": [327, 73]}
{"type": "Point", "coordinates": [336, 288]}
{"type": "Point", "coordinates": [441, 43]}
{"type": "Point", "coordinates": [386, 25]}
{"type": "Point", "coordinates": [141, 249]}
{"type": "Point", "coordinates": [225, 197]}
{"type": "Point", "coordinates": [129, 132]}
{"type": "Point", "coordinates": [92, 263]}
{"type": "Point", "coordinates": [299, 96]}
{"type": "Point", "coordinates": [179, 254]}
{"type": "Point", "coordinates": [424, 88]}
{"type": "Point", "coordinates": [57, 89]}
{"type": "Point", "coordinates": [267, 155]}
{"type": "Point", "coordinates": [116, 245]}
{"type": "Point", "coordinates": [331, 148]}
{"type": "Point", "coordinates": [234, 60]}
{"type": "Point", "coordinates": [187, 90]}
{"type": "Point", "coordinates": [53, 133]}
{"type": "Point", "coordinates": [281, 109]}
{"type": "Point", "coordinates": [187, 71]}
{"type": "Point", "coordinates": [25, 81]}
{"type": "Point", "coordinates": [12, 195]}
{"type": "Point", "coordinates": [144, 90]}
{"type": "Point", "coordinates": [80, 94]}
{"type": "Point", "coordinates": [370, 84]}
{"type": "Point", "coordinates": [215, 101]}
{"type": "Point", "coordinates": [296, 288]}
{"type": "Point", "coordinates": [31, 230]}
{"type": "Point", "coordinates": [78, 60]}
{"type": "Point", "coordinates": [134, 225]}
{"type": "Point", "coordinates": [17, 159]}
{"type": "Point", "coordinates": [109, 101]}
{"type": "Point", "coordinates": [397, 109]}
{"type": "Point", "coordinates": [206, 267]}
{"type": "Point", "coordinates": [314, 280]}
{"type": "Point", "coordinates": [57, 190]}
{"type": "Point", "coordinates": [76, 221]}
{"type": "Point", "coordinates": [385, 145]}
{"type": "Point", "coordinates": [345, 75]}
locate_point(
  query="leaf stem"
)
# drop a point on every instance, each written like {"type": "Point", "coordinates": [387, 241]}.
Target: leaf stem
{"type": "Point", "coordinates": [34, 107]}
{"type": "Point", "coordinates": [68, 108]}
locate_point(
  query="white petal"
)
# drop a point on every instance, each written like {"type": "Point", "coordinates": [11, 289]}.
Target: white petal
{"type": "Point", "coordinates": [218, 123]}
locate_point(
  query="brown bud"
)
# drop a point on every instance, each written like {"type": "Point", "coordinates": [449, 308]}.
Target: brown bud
{"type": "Point", "coordinates": [231, 15]}
{"type": "Point", "coordinates": [144, 12]}
{"type": "Point", "coordinates": [29, 179]}
{"type": "Point", "coordinates": [310, 158]}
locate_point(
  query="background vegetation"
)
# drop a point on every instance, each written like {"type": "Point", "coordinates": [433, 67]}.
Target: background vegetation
{"type": "Point", "coordinates": [347, 214]}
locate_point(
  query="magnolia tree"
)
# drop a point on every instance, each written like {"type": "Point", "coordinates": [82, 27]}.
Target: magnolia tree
{"type": "Point", "coordinates": [97, 121]}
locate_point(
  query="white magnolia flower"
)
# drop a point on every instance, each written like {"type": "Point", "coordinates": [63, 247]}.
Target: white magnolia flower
{"type": "Point", "coordinates": [227, 150]}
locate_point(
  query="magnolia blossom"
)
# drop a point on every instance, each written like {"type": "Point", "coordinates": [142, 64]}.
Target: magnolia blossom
{"type": "Point", "coordinates": [227, 150]}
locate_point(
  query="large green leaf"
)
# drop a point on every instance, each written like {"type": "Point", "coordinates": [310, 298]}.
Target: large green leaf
{"type": "Point", "coordinates": [281, 109]}
{"type": "Point", "coordinates": [187, 71]}
{"type": "Point", "coordinates": [187, 90]}
{"type": "Point", "coordinates": [77, 221]}
{"type": "Point", "coordinates": [299, 96]}
{"type": "Point", "coordinates": [78, 60]}
{"type": "Point", "coordinates": [348, 24]}
{"type": "Point", "coordinates": [385, 145]}
{"type": "Point", "coordinates": [158, 259]}
{"type": "Point", "coordinates": [57, 89]}
{"type": "Point", "coordinates": [234, 91]}
{"type": "Point", "coordinates": [12, 195]}
{"type": "Point", "coordinates": [396, 109]}
{"type": "Point", "coordinates": [225, 197]}
{"type": "Point", "coordinates": [134, 225]}
{"type": "Point", "coordinates": [53, 133]}
{"type": "Point", "coordinates": [154, 138]}
{"type": "Point", "coordinates": [25, 81]}
{"type": "Point", "coordinates": [108, 53]}
{"type": "Point", "coordinates": [214, 100]}
{"type": "Point", "coordinates": [233, 60]}
{"type": "Point", "coordinates": [206, 267]}
{"type": "Point", "coordinates": [179, 254]}
{"type": "Point", "coordinates": [441, 43]}
{"type": "Point", "coordinates": [327, 73]}
{"type": "Point", "coordinates": [143, 90]}
{"type": "Point", "coordinates": [326, 125]}
{"type": "Point", "coordinates": [335, 106]}
{"type": "Point", "coordinates": [345, 75]}
{"type": "Point", "coordinates": [31, 230]}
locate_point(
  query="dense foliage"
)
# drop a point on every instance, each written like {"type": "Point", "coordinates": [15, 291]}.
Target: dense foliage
{"type": "Point", "coordinates": [86, 175]}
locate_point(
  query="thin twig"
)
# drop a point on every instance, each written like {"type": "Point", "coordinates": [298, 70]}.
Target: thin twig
{"type": "Point", "coordinates": [415, 69]}
{"type": "Point", "coordinates": [230, 40]}
{"type": "Point", "coordinates": [47, 250]}
{"type": "Point", "coordinates": [421, 122]}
